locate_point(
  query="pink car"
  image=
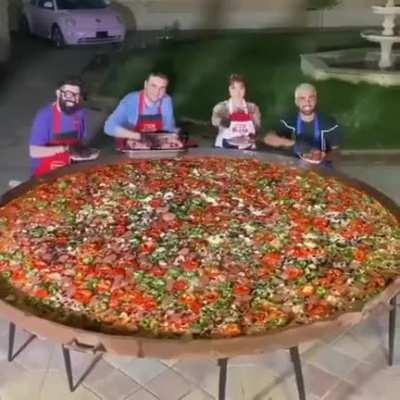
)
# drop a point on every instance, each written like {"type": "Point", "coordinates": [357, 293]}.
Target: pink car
{"type": "Point", "coordinates": [73, 21]}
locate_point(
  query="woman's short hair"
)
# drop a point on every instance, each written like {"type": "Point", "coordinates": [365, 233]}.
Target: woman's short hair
{"type": "Point", "coordinates": [233, 78]}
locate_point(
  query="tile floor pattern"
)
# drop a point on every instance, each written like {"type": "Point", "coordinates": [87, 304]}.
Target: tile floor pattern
{"type": "Point", "coordinates": [351, 366]}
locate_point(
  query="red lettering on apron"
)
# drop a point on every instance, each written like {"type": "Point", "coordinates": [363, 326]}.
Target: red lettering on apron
{"type": "Point", "coordinates": [241, 125]}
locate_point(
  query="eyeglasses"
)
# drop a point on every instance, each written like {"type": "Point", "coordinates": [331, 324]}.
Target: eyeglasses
{"type": "Point", "coordinates": [70, 94]}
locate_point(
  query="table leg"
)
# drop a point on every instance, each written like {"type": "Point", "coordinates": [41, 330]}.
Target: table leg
{"type": "Point", "coordinates": [295, 356]}
{"type": "Point", "coordinates": [223, 363]}
{"type": "Point", "coordinates": [11, 341]}
{"type": "Point", "coordinates": [68, 368]}
{"type": "Point", "coordinates": [392, 328]}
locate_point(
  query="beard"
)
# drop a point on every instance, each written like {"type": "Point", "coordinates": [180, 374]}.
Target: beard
{"type": "Point", "coordinates": [307, 110]}
{"type": "Point", "coordinates": [69, 107]}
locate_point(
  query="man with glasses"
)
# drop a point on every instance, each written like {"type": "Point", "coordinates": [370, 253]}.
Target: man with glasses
{"type": "Point", "coordinates": [57, 127]}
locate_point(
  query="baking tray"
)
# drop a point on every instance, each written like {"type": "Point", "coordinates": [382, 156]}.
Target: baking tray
{"type": "Point", "coordinates": [134, 345]}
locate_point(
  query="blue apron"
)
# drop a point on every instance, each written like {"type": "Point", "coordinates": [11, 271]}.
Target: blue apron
{"type": "Point", "coordinates": [317, 142]}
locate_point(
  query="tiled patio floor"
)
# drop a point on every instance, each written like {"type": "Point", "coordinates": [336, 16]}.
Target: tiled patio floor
{"type": "Point", "coordinates": [350, 366]}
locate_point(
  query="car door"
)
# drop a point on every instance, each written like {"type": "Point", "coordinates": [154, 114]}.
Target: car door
{"type": "Point", "coordinates": [45, 16]}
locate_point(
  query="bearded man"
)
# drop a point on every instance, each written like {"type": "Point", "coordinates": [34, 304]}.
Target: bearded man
{"type": "Point", "coordinates": [314, 136]}
{"type": "Point", "coordinates": [57, 127]}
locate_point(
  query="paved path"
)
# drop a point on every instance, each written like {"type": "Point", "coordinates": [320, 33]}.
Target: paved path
{"type": "Point", "coordinates": [37, 68]}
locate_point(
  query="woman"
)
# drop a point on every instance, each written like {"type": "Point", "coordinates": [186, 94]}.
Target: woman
{"type": "Point", "coordinates": [237, 120]}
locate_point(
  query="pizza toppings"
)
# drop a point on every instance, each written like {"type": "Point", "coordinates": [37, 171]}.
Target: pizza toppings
{"type": "Point", "coordinates": [209, 247]}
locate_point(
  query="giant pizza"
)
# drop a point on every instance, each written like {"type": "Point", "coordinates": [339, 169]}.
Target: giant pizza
{"type": "Point", "coordinates": [207, 247]}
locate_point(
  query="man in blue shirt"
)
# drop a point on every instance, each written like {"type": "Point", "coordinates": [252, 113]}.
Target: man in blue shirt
{"type": "Point", "coordinates": [314, 136]}
{"type": "Point", "coordinates": [147, 111]}
{"type": "Point", "coordinates": [57, 126]}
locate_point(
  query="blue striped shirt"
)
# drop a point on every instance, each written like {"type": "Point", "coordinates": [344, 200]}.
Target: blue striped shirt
{"type": "Point", "coordinates": [127, 113]}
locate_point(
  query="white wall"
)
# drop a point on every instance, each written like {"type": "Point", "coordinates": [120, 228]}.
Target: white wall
{"type": "Point", "coordinates": [202, 14]}
{"type": "Point", "coordinates": [234, 14]}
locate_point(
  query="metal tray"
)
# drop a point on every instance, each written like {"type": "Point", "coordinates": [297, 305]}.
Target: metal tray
{"type": "Point", "coordinates": [216, 348]}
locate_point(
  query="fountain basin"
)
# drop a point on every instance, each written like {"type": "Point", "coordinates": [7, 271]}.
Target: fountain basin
{"type": "Point", "coordinates": [386, 10]}
{"type": "Point", "coordinates": [378, 37]}
{"type": "Point", "coordinates": [352, 65]}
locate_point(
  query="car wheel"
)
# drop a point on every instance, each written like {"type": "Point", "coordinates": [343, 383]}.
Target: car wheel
{"type": "Point", "coordinates": [24, 26]}
{"type": "Point", "coordinates": [57, 37]}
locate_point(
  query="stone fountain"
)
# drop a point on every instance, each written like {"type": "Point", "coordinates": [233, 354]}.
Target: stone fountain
{"type": "Point", "coordinates": [368, 65]}
{"type": "Point", "coordinates": [388, 36]}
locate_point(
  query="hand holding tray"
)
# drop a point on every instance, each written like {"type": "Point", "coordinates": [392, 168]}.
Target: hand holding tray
{"type": "Point", "coordinates": [314, 156]}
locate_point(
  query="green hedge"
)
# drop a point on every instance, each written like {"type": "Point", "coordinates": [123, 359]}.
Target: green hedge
{"type": "Point", "coordinates": [198, 70]}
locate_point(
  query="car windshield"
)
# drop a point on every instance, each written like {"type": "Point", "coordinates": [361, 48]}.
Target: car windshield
{"type": "Point", "coordinates": [80, 4]}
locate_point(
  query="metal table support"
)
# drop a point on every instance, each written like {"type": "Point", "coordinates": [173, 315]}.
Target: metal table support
{"type": "Point", "coordinates": [223, 364]}
{"type": "Point", "coordinates": [392, 328]}
{"type": "Point", "coordinates": [68, 368]}
{"type": "Point", "coordinates": [66, 353]}
{"type": "Point", "coordinates": [295, 356]}
{"type": "Point", "coordinates": [11, 341]}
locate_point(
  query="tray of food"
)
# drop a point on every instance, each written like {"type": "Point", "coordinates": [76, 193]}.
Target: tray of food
{"type": "Point", "coordinates": [313, 156]}
{"type": "Point", "coordinates": [242, 142]}
{"type": "Point", "coordinates": [209, 253]}
{"type": "Point", "coordinates": [81, 153]}
{"type": "Point", "coordinates": [154, 141]}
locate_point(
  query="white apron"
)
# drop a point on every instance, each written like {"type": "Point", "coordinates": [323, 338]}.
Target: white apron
{"type": "Point", "coordinates": [241, 125]}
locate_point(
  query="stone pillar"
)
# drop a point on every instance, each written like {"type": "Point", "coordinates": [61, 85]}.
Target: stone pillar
{"type": "Point", "coordinates": [4, 31]}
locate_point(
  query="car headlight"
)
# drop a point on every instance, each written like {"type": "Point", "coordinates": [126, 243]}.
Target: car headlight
{"type": "Point", "coordinates": [70, 22]}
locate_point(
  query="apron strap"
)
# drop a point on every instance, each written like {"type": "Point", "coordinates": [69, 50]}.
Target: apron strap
{"type": "Point", "coordinates": [142, 103]}
{"type": "Point", "coordinates": [56, 119]}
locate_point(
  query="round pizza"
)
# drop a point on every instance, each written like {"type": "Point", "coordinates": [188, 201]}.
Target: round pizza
{"type": "Point", "coordinates": [195, 247]}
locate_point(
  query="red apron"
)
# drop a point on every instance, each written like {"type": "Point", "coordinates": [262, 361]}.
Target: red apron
{"type": "Point", "coordinates": [58, 138]}
{"type": "Point", "coordinates": [241, 125]}
{"type": "Point", "coordinates": [240, 116]}
{"type": "Point", "coordinates": [145, 123]}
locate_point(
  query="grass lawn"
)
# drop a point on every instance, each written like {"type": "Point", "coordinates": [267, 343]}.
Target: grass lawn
{"type": "Point", "coordinates": [271, 64]}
